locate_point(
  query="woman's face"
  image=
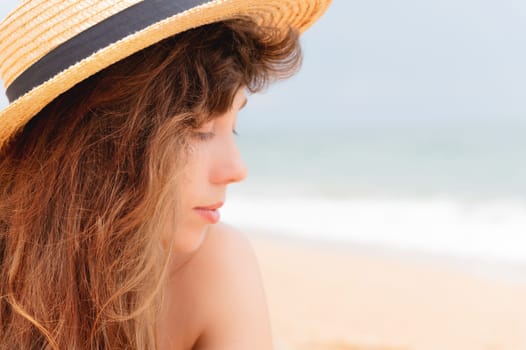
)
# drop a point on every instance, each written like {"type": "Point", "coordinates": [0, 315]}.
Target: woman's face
{"type": "Point", "coordinates": [214, 162]}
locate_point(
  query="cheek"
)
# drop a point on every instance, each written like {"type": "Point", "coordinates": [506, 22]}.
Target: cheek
{"type": "Point", "coordinates": [190, 230]}
{"type": "Point", "coordinates": [193, 190]}
{"type": "Point", "coordinates": [196, 177]}
{"type": "Point", "coordinates": [199, 159]}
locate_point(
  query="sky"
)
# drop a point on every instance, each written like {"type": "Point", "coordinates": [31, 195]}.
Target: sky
{"type": "Point", "coordinates": [406, 61]}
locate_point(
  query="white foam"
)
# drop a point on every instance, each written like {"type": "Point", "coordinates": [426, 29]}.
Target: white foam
{"type": "Point", "coordinates": [493, 230]}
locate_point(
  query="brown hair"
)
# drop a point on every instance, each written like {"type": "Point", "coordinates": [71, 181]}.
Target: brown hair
{"type": "Point", "coordinates": [87, 187]}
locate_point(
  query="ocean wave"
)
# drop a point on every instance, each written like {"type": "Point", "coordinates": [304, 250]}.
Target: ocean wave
{"type": "Point", "coordinates": [491, 229]}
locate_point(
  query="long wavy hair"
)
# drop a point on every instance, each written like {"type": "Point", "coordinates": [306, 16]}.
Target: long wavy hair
{"type": "Point", "coordinates": [89, 186]}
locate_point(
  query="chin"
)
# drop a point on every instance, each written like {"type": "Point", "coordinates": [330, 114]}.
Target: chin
{"type": "Point", "coordinates": [189, 241]}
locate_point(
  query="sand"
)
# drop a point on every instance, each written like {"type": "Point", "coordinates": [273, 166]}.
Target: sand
{"type": "Point", "coordinates": [327, 297]}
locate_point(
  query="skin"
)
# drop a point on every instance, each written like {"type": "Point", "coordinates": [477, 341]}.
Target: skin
{"type": "Point", "coordinates": [215, 299]}
{"type": "Point", "coordinates": [214, 163]}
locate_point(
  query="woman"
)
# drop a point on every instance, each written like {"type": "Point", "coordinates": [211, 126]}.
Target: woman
{"type": "Point", "coordinates": [116, 152]}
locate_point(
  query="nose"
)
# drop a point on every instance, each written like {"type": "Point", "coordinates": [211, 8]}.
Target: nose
{"type": "Point", "coordinates": [230, 166]}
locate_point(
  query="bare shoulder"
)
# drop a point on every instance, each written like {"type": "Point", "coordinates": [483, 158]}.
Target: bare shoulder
{"type": "Point", "coordinates": [230, 296]}
{"type": "Point", "coordinates": [222, 239]}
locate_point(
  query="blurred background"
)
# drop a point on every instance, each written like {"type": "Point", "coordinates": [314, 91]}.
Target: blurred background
{"type": "Point", "coordinates": [404, 129]}
{"type": "Point", "coordinates": [401, 141]}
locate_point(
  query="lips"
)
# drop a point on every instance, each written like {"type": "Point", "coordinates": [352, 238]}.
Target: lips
{"type": "Point", "coordinates": [211, 207]}
{"type": "Point", "coordinates": [210, 212]}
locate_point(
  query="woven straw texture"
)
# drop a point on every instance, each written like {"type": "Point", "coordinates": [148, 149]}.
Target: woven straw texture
{"type": "Point", "coordinates": [36, 27]}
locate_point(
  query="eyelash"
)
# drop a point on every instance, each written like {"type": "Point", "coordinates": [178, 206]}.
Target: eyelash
{"type": "Point", "coordinates": [204, 136]}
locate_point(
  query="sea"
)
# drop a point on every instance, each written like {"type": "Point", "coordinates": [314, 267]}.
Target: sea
{"type": "Point", "coordinates": [448, 189]}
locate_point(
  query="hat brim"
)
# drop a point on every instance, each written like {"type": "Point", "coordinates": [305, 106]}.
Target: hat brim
{"type": "Point", "coordinates": [298, 14]}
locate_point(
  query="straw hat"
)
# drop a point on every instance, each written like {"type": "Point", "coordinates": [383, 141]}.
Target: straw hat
{"type": "Point", "coordinates": [48, 46]}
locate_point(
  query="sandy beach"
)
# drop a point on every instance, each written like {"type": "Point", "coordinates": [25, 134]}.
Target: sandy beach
{"type": "Point", "coordinates": [332, 297]}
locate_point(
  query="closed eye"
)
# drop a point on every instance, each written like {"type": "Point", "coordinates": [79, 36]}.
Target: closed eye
{"type": "Point", "coordinates": [204, 136]}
